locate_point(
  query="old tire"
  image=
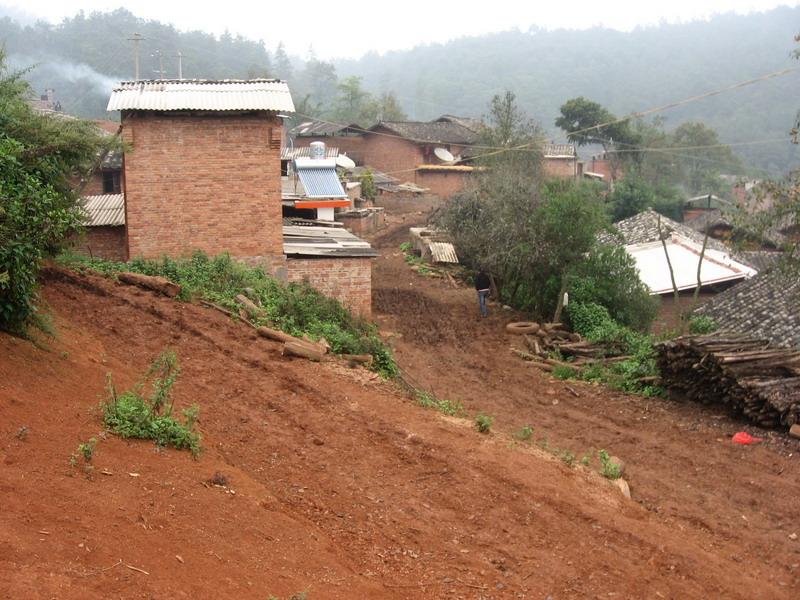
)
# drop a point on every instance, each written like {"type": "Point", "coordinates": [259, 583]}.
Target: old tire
{"type": "Point", "coordinates": [522, 327]}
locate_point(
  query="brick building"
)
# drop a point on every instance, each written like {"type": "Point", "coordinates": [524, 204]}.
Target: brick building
{"type": "Point", "coordinates": [561, 161]}
{"type": "Point", "coordinates": [104, 234]}
{"type": "Point", "coordinates": [204, 173]}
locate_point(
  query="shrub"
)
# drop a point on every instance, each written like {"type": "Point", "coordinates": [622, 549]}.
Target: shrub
{"type": "Point", "coordinates": [448, 407]}
{"type": "Point", "coordinates": [608, 468]}
{"type": "Point", "coordinates": [483, 423]}
{"type": "Point", "coordinates": [563, 372]}
{"type": "Point", "coordinates": [132, 415]}
{"type": "Point", "coordinates": [701, 325]}
{"type": "Point", "coordinates": [524, 434]}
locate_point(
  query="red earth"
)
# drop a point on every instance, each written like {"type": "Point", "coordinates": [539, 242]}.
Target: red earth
{"type": "Point", "coordinates": [338, 484]}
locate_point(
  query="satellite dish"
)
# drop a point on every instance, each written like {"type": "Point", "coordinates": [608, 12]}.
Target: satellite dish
{"type": "Point", "coordinates": [443, 154]}
{"type": "Point", "coordinates": [345, 162]}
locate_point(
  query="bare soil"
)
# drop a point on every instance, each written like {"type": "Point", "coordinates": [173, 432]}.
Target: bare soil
{"type": "Point", "coordinates": [339, 484]}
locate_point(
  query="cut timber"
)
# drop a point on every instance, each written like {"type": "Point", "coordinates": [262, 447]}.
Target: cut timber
{"type": "Point", "coordinates": [303, 350]}
{"type": "Point", "coordinates": [363, 359]}
{"type": "Point", "coordinates": [274, 334]}
{"type": "Point", "coordinates": [252, 310]}
{"type": "Point", "coordinates": [157, 284]}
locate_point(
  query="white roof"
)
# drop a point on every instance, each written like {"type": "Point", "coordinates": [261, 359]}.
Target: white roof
{"type": "Point", "coordinates": [201, 94]}
{"type": "Point", "coordinates": [107, 209]}
{"type": "Point", "coordinates": [684, 254]}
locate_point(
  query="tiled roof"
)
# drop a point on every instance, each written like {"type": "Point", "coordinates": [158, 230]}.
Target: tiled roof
{"type": "Point", "coordinates": [474, 125]}
{"type": "Point", "coordinates": [434, 132]}
{"type": "Point", "coordinates": [764, 306]}
{"type": "Point", "coordinates": [108, 209]}
{"type": "Point", "coordinates": [643, 228]}
{"type": "Point", "coordinates": [202, 94]}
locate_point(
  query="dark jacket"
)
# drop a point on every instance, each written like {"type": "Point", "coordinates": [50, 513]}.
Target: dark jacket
{"type": "Point", "coordinates": [482, 282]}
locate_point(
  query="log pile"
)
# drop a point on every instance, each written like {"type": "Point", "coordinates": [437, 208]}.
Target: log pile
{"type": "Point", "coordinates": [542, 340]}
{"type": "Point", "coordinates": [746, 374]}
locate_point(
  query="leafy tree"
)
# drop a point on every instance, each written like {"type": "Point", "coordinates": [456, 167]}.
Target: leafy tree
{"type": "Point", "coordinates": [701, 157]}
{"type": "Point", "coordinates": [40, 158]}
{"type": "Point", "coordinates": [634, 194]}
{"type": "Point", "coordinates": [283, 66]}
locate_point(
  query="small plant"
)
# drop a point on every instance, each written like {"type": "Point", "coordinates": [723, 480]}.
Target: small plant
{"type": "Point", "coordinates": [586, 459]}
{"type": "Point", "coordinates": [608, 468]}
{"type": "Point", "coordinates": [701, 325]}
{"type": "Point", "coordinates": [406, 247]}
{"type": "Point", "coordinates": [567, 457]}
{"type": "Point", "coordinates": [447, 407]}
{"type": "Point", "coordinates": [563, 372]}
{"type": "Point", "coordinates": [524, 434]}
{"type": "Point", "coordinates": [22, 433]}
{"type": "Point", "coordinates": [131, 415]}
{"type": "Point", "coordinates": [543, 444]}
{"type": "Point", "coordinates": [85, 450]}
{"type": "Point", "coordinates": [483, 423]}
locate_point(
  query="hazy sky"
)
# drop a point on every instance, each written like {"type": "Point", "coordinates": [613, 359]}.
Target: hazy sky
{"type": "Point", "coordinates": [349, 28]}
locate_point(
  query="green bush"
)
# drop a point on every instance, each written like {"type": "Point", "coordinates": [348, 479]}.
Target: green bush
{"type": "Point", "coordinates": [132, 415]}
{"type": "Point", "coordinates": [296, 308]}
{"type": "Point", "coordinates": [701, 325]}
{"type": "Point", "coordinates": [447, 407]}
{"type": "Point", "coordinates": [483, 423]}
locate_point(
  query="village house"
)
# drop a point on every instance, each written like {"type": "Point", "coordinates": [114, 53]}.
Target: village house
{"type": "Point", "coordinates": [104, 232]}
{"type": "Point", "coordinates": [561, 161]}
{"type": "Point", "coordinates": [204, 173]}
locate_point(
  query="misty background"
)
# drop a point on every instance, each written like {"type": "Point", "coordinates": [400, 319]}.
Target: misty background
{"type": "Point", "coordinates": [83, 56]}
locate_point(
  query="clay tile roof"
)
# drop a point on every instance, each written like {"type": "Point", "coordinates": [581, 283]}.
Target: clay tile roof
{"type": "Point", "coordinates": [764, 306]}
{"type": "Point", "coordinates": [433, 132]}
{"type": "Point", "coordinates": [642, 228]}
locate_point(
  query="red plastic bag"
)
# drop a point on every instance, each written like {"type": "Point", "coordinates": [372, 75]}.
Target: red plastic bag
{"type": "Point", "coordinates": [744, 438]}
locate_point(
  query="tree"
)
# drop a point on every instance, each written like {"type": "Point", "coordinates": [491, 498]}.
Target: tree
{"type": "Point", "coordinates": [40, 158]}
{"type": "Point", "coordinates": [282, 64]}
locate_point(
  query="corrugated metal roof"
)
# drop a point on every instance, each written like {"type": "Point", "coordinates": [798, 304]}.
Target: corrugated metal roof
{"type": "Point", "coordinates": [443, 252]}
{"type": "Point", "coordinates": [197, 94]}
{"type": "Point", "coordinates": [305, 152]}
{"type": "Point", "coordinates": [108, 209]}
{"type": "Point", "coordinates": [314, 128]}
{"type": "Point", "coordinates": [319, 178]}
{"type": "Point", "coordinates": [559, 151]}
{"type": "Point", "coordinates": [324, 241]}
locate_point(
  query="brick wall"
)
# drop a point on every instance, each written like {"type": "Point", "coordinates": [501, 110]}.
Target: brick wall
{"type": "Point", "coordinates": [442, 183]}
{"type": "Point", "coordinates": [349, 280]}
{"type": "Point", "coordinates": [560, 167]}
{"type": "Point", "coordinates": [361, 224]}
{"type": "Point", "coordinates": [203, 181]}
{"type": "Point", "coordinates": [391, 154]}
{"type": "Point", "coordinates": [106, 242]}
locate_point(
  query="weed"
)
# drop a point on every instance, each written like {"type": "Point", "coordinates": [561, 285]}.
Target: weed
{"type": "Point", "coordinates": [524, 434]}
{"type": "Point", "coordinates": [702, 325]}
{"type": "Point", "coordinates": [219, 479]}
{"type": "Point", "coordinates": [131, 415]}
{"type": "Point", "coordinates": [563, 372]}
{"type": "Point", "coordinates": [567, 457]}
{"type": "Point", "coordinates": [586, 459]}
{"type": "Point", "coordinates": [406, 247]}
{"type": "Point", "coordinates": [65, 355]}
{"type": "Point", "coordinates": [448, 407]}
{"type": "Point", "coordinates": [543, 444]}
{"type": "Point", "coordinates": [22, 433]}
{"type": "Point", "coordinates": [608, 468]}
{"type": "Point", "coordinates": [483, 423]}
{"type": "Point", "coordinates": [86, 449]}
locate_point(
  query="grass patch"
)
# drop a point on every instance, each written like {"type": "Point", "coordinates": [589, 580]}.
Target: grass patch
{"type": "Point", "coordinates": [447, 407]}
{"type": "Point", "coordinates": [295, 308]}
{"type": "Point", "coordinates": [525, 434]}
{"type": "Point", "coordinates": [132, 415]}
{"type": "Point", "coordinates": [608, 468]}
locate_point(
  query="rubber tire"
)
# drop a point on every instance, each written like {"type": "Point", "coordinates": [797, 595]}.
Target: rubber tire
{"type": "Point", "coordinates": [522, 327]}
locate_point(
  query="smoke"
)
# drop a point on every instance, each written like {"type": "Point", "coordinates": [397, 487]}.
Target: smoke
{"type": "Point", "coordinates": [56, 70]}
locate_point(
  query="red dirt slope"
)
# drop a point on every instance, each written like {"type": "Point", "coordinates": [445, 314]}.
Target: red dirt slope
{"type": "Point", "coordinates": [342, 487]}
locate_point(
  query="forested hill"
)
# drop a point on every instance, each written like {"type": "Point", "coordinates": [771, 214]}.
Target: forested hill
{"type": "Point", "coordinates": [82, 57]}
{"type": "Point", "coordinates": [625, 72]}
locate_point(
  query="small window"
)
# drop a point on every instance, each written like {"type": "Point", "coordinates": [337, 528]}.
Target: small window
{"type": "Point", "coordinates": [111, 182]}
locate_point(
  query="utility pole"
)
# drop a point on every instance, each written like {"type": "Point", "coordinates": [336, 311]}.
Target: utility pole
{"type": "Point", "coordinates": [136, 38]}
{"type": "Point", "coordinates": [180, 65]}
{"type": "Point", "coordinates": [160, 63]}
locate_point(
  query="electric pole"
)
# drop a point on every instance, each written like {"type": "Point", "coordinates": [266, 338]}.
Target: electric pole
{"type": "Point", "coordinates": [136, 38]}
{"type": "Point", "coordinates": [160, 63]}
{"type": "Point", "coordinates": [180, 65]}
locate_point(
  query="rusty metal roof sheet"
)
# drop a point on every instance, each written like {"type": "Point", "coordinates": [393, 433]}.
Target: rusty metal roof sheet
{"type": "Point", "coordinates": [108, 209]}
{"type": "Point", "coordinates": [202, 94]}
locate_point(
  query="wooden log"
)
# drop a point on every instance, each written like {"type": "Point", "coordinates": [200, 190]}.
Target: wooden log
{"type": "Point", "coordinates": [157, 284]}
{"type": "Point", "coordinates": [253, 310]}
{"type": "Point", "coordinates": [303, 350]}
{"type": "Point", "coordinates": [274, 334]}
{"type": "Point", "coordinates": [364, 359]}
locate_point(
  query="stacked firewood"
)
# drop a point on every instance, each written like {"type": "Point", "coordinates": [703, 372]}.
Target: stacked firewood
{"type": "Point", "coordinates": [544, 340]}
{"type": "Point", "coordinates": [747, 374]}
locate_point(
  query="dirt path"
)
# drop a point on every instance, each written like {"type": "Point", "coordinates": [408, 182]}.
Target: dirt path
{"type": "Point", "coordinates": [682, 467]}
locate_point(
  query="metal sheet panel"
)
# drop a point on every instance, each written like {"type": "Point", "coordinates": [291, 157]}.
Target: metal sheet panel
{"type": "Point", "coordinates": [166, 95]}
{"type": "Point", "coordinates": [108, 209]}
{"type": "Point", "coordinates": [443, 252]}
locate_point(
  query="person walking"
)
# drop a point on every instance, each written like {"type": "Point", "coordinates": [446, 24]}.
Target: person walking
{"type": "Point", "coordinates": [483, 286]}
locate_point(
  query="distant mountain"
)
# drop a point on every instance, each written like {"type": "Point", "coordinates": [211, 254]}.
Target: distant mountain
{"type": "Point", "coordinates": [82, 56]}
{"type": "Point", "coordinates": [625, 72]}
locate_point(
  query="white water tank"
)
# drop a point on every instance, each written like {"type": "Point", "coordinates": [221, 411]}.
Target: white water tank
{"type": "Point", "coordinates": [317, 150]}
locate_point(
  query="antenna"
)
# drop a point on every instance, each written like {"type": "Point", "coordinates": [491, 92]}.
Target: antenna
{"type": "Point", "coordinates": [136, 38]}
